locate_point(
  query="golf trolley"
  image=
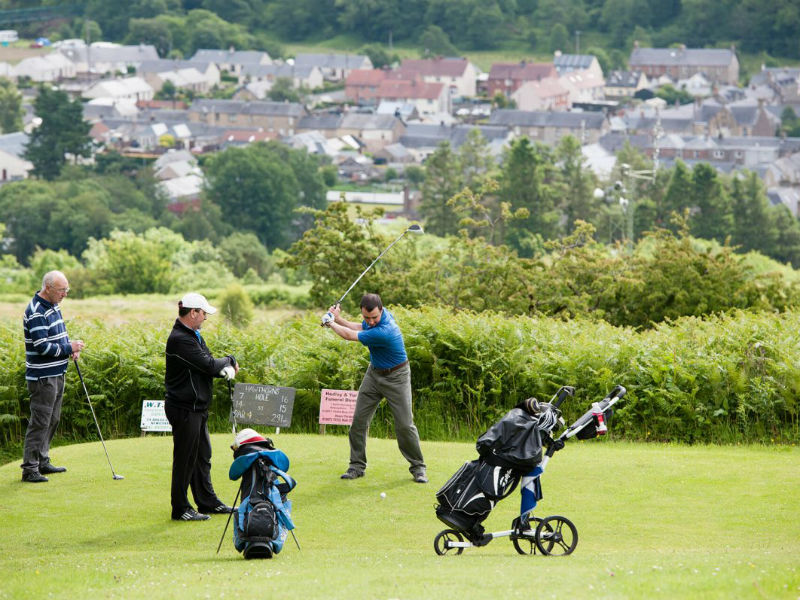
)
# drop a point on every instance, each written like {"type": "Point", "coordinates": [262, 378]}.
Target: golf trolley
{"type": "Point", "coordinates": [473, 491]}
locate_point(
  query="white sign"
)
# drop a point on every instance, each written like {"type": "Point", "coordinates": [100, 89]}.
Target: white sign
{"type": "Point", "coordinates": [153, 416]}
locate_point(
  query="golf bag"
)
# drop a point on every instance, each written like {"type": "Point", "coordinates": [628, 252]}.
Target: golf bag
{"type": "Point", "coordinates": [263, 519]}
{"type": "Point", "coordinates": [508, 450]}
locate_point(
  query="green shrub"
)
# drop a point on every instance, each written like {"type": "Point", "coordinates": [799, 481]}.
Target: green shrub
{"type": "Point", "coordinates": [236, 306]}
{"type": "Point", "coordinates": [726, 379]}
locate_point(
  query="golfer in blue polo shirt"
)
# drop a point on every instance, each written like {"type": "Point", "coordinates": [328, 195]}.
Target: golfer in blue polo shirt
{"type": "Point", "coordinates": [388, 376]}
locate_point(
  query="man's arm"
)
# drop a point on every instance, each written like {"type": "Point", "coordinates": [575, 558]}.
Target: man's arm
{"type": "Point", "coordinates": [345, 329]}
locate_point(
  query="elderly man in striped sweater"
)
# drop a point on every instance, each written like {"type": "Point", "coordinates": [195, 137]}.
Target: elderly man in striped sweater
{"type": "Point", "coordinates": [47, 353]}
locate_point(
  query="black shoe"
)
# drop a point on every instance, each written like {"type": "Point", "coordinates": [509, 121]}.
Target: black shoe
{"type": "Point", "coordinates": [219, 509]}
{"type": "Point", "coordinates": [34, 477]}
{"type": "Point", "coordinates": [420, 477]}
{"type": "Point", "coordinates": [49, 468]}
{"type": "Point", "coordinates": [352, 474]}
{"type": "Point", "coordinates": [191, 515]}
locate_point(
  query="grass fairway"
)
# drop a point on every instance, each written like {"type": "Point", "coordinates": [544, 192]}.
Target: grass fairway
{"type": "Point", "coordinates": [654, 522]}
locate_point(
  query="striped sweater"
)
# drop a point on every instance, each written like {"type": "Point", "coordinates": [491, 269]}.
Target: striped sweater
{"type": "Point", "coordinates": [47, 347]}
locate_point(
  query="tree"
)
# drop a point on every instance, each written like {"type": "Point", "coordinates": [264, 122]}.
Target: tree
{"type": "Point", "coordinates": [526, 182]}
{"type": "Point", "coordinates": [151, 31]}
{"type": "Point", "coordinates": [62, 131]}
{"type": "Point", "coordinates": [283, 90]}
{"type": "Point", "coordinates": [378, 56]}
{"type": "Point", "coordinates": [578, 202]}
{"type": "Point", "coordinates": [442, 182]}
{"type": "Point", "coordinates": [559, 38]}
{"type": "Point", "coordinates": [10, 107]}
{"type": "Point", "coordinates": [475, 160]}
{"type": "Point", "coordinates": [435, 42]}
{"type": "Point", "coordinates": [242, 252]}
{"type": "Point", "coordinates": [257, 192]}
{"type": "Point", "coordinates": [754, 227]}
{"type": "Point", "coordinates": [714, 220]}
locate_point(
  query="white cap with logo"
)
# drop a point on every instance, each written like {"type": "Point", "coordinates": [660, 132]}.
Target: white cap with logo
{"type": "Point", "coordinates": [194, 300]}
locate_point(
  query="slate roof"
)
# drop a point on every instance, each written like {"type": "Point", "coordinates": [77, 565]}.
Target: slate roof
{"type": "Point", "coordinates": [698, 57]}
{"type": "Point", "coordinates": [333, 61]}
{"type": "Point", "coordinates": [623, 79]}
{"type": "Point", "coordinates": [241, 57]}
{"type": "Point", "coordinates": [430, 67]}
{"type": "Point", "coordinates": [564, 63]}
{"type": "Point", "coordinates": [240, 107]}
{"type": "Point", "coordinates": [522, 118]}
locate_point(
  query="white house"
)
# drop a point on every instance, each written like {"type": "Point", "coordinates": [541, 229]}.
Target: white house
{"type": "Point", "coordinates": [13, 168]}
{"type": "Point", "coordinates": [108, 58]}
{"type": "Point", "coordinates": [50, 67]}
{"type": "Point", "coordinates": [309, 77]}
{"type": "Point", "coordinates": [232, 61]}
{"type": "Point", "coordinates": [334, 67]}
{"type": "Point", "coordinates": [130, 88]}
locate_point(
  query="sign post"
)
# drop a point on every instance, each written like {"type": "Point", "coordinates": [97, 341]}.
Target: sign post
{"type": "Point", "coordinates": [336, 407]}
{"type": "Point", "coordinates": [257, 404]}
{"type": "Point", "coordinates": [154, 419]}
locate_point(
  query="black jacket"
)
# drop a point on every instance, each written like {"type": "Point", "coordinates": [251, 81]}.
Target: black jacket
{"type": "Point", "coordinates": [190, 369]}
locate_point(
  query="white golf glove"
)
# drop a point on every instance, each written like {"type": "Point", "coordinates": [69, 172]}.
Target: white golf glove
{"type": "Point", "coordinates": [228, 373]}
{"type": "Point", "coordinates": [327, 319]}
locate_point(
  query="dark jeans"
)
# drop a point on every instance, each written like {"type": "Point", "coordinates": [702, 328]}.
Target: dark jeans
{"type": "Point", "coordinates": [46, 396]}
{"type": "Point", "coordinates": [191, 460]}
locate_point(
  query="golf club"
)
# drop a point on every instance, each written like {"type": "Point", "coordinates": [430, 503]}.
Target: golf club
{"type": "Point", "coordinates": [80, 375]}
{"type": "Point", "coordinates": [413, 229]}
{"type": "Point", "coordinates": [228, 522]}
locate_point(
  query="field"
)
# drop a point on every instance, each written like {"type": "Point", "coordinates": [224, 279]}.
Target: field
{"type": "Point", "coordinates": [655, 521]}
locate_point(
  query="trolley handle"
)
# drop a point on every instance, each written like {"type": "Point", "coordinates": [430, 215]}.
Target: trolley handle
{"type": "Point", "coordinates": [563, 393]}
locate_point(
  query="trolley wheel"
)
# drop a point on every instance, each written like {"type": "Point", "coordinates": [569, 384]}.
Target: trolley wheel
{"type": "Point", "coordinates": [525, 542]}
{"type": "Point", "coordinates": [556, 536]}
{"type": "Point", "coordinates": [441, 543]}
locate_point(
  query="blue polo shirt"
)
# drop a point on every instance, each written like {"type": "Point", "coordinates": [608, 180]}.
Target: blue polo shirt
{"type": "Point", "coordinates": [384, 341]}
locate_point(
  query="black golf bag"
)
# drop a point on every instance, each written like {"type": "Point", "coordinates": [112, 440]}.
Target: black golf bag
{"type": "Point", "coordinates": [509, 449]}
{"type": "Point", "coordinates": [262, 521]}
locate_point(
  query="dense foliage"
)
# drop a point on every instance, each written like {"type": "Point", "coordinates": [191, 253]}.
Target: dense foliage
{"type": "Point", "coordinates": [723, 379]}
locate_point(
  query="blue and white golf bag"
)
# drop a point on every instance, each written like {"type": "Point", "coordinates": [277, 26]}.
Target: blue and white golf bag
{"type": "Point", "coordinates": [264, 516]}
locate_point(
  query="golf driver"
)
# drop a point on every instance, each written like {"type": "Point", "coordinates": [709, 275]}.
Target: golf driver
{"type": "Point", "coordinates": [80, 375]}
{"type": "Point", "coordinates": [412, 229]}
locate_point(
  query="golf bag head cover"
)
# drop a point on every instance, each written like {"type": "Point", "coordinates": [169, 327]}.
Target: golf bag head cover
{"type": "Point", "coordinates": [264, 516]}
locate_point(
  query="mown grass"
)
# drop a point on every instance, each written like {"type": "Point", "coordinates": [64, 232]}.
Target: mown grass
{"type": "Point", "coordinates": [655, 521]}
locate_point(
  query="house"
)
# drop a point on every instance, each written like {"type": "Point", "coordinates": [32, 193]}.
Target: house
{"type": "Point", "coordinates": [280, 118]}
{"type": "Point", "coordinates": [458, 74]}
{"type": "Point", "coordinates": [361, 85]}
{"type": "Point", "coordinates": [429, 98]}
{"type": "Point", "coordinates": [13, 168]}
{"type": "Point", "coordinates": [394, 154]}
{"type": "Point", "coordinates": [784, 81]}
{"type": "Point", "coordinates": [232, 61]}
{"type": "Point", "coordinates": [550, 127]}
{"type": "Point", "coordinates": [507, 78]}
{"type": "Point", "coordinates": [545, 94]}
{"type": "Point", "coordinates": [582, 75]}
{"type": "Point", "coordinates": [570, 63]}
{"type": "Point", "coordinates": [108, 58]}
{"type": "Point", "coordinates": [624, 84]}
{"type": "Point", "coordinates": [334, 67]}
{"type": "Point", "coordinates": [255, 90]}
{"type": "Point", "coordinates": [374, 131]}
{"type": "Point", "coordinates": [196, 76]}
{"type": "Point", "coordinates": [422, 139]}
{"type": "Point", "coordinates": [697, 85]}
{"type": "Point", "coordinates": [183, 192]}
{"type": "Point", "coordinates": [789, 197]}
{"type": "Point", "coordinates": [718, 65]}
{"type": "Point", "coordinates": [103, 108]}
{"type": "Point", "coordinates": [406, 111]}
{"type": "Point", "coordinates": [309, 77]}
{"type": "Point", "coordinates": [129, 88]}
{"type": "Point", "coordinates": [50, 67]}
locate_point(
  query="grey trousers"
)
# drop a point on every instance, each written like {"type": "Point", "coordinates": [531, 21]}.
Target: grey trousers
{"type": "Point", "coordinates": [46, 397]}
{"type": "Point", "coordinates": [396, 388]}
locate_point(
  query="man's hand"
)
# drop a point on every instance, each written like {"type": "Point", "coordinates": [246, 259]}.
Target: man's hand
{"type": "Point", "coordinates": [335, 310]}
{"type": "Point", "coordinates": [77, 346]}
{"type": "Point", "coordinates": [327, 319]}
{"type": "Point", "coordinates": [228, 373]}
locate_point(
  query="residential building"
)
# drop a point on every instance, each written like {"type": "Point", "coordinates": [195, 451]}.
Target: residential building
{"type": "Point", "coordinates": [197, 76]}
{"type": "Point", "coordinates": [108, 58]}
{"type": "Point", "coordinates": [309, 77]}
{"type": "Point", "coordinates": [507, 78]}
{"type": "Point", "coordinates": [334, 67]}
{"type": "Point", "coordinates": [624, 84]}
{"type": "Point", "coordinates": [550, 127]}
{"type": "Point", "coordinates": [458, 74]}
{"type": "Point", "coordinates": [280, 118]}
{"type": "Point", "coordinates": [429, 98]}
{"type": "Point", "coordinates": [361, 85]}
{"type": "Point", "coordinates": [48, 68]}
{"type": "Point", "coordinates": [718, 65]}
{"type": "Point", "coordinates": [129, 88]}
{"type": "Point", "coordinates": [544, 94]}
{"type": "Point", "coordinates": [232, 61]}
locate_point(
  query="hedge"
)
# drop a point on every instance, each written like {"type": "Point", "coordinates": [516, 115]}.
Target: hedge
{"type": "Point", "coordinates": [726, 379]}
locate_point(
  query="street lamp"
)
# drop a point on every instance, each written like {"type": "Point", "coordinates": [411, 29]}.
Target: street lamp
{"type": "Point", "coordinates": [625, 192]}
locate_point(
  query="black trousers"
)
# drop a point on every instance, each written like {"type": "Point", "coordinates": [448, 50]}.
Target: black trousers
{"type": "Point", "coordinates": [191, 460]}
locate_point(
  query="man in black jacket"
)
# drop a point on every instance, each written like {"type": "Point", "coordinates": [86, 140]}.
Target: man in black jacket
{"type": "Point", "coordinates": [189, 375]}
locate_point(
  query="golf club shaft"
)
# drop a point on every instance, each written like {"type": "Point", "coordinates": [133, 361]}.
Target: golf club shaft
{"type": "Point", "coordinates": [370, 266]}
{"type": "Point", "coordinates": [94, 416]}
{"type": "Point", "coordinates": [228, 522]}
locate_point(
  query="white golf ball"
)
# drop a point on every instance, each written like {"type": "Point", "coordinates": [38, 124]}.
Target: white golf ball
{"type": "Point", "coordinates": [383, 494]}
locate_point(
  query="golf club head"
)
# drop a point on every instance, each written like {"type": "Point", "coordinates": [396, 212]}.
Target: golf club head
{"type": "Point", "coordinates": [415, 229]}
{"type": "Point", "coordinates": [115, 476]}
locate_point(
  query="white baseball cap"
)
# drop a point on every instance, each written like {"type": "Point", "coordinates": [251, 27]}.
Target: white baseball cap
{"type": "Point", "coordinates": [193, 300]}
{"type": "Point", "coordinates": [247, 436]}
